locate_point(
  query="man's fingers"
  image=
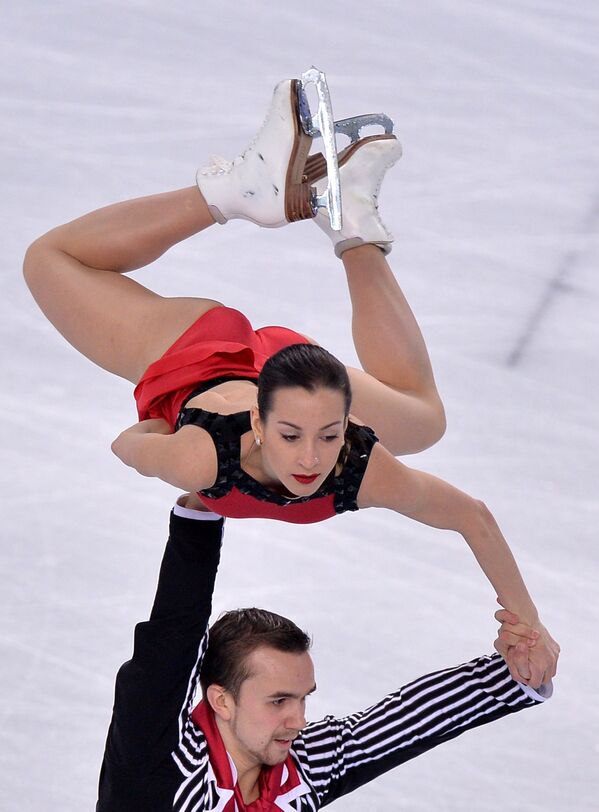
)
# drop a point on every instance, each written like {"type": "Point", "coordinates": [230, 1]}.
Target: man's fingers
{"type": "Point", "coordinates": [516, 658]}
{"type": "Point", "coordinates": [502, 648]}
{"type": "Point", "coordinates": [537, 675]}
{"type": "Point", "coordinates": [519, 661]}
{"type": "Point", "coordinates": [543, 663]}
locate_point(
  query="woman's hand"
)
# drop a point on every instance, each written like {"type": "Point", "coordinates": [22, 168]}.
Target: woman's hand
{"type": "Point", "coordinates": [529, 651]}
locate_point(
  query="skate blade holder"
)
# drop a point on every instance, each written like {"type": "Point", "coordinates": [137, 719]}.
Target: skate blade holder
{"type": "Point", "coordinates": [352, 127]}
{"type": "Point", "coordinates": [322, 124]}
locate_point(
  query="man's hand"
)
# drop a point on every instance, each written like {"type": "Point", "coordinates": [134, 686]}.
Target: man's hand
{"type": "Point", "coordinates": [531, 653]}
{"type": "Point", "coordinates": [513, 642]}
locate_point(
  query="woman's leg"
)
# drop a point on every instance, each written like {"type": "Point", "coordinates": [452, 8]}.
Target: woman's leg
{"type": "Point", "coordinates": [397, 396]}
{"type": "Point", "coordinates": [75, 273]}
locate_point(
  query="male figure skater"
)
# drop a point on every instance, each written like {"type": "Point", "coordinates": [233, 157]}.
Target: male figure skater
{"type": "Point", "coordinates": [247, 746]}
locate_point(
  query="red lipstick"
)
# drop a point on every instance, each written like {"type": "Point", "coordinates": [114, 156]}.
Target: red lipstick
{"type": "Point", "coordinates": [305, 480]}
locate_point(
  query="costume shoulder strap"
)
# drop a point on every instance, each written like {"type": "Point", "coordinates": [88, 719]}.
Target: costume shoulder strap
{"type": "Point", "coordinates": [359, 442]}
{"type": "Point", "coordinates": [226, 431]}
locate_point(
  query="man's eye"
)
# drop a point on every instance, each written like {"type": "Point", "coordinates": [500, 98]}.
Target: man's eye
{"type": "Point", "coordinates": [278, 702]}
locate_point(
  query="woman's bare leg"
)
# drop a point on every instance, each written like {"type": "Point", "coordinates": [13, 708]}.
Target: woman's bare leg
{"type": "Point", "coordinates": [397, 395]}
{"type": "Point", "coordinates": [75, 273]}
{"type": "Point", "coordinates": [396, 392]}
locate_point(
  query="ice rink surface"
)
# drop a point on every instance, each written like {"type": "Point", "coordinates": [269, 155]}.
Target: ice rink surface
{"type": "Point", "coordinates": [495, 205]}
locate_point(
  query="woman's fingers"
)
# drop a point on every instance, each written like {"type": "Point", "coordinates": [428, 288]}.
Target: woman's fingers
{"type": "Point", "coordinates": [505, 616]}
{"type": "Point", "coordinates": [511, 638]}
{"type": "Point", "coordinates": [510, 623]}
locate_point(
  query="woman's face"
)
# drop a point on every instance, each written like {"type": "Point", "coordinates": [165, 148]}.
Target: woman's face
{"type": "Point", "coordinates": [302, 437]}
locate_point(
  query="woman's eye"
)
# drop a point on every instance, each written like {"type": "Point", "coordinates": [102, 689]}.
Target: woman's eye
{"type": "Point", "coordinates": [329, 438]}
{"type": "Point", "coordinates": [289, 437]}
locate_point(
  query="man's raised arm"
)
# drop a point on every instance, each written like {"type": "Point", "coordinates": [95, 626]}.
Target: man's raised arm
{"type": "Point", "coordinates": [154, 689]}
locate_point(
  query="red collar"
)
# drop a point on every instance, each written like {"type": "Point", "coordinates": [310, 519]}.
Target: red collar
{"type": "Point", "coordinates": [271, 782]}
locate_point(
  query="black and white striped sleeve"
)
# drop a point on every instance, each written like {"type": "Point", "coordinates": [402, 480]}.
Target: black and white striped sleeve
{"type": "Point", "coordinates": [340, 755]}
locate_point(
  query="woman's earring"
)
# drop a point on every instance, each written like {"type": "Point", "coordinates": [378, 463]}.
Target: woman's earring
{"type": "Point", "coordinates": [258, 440]}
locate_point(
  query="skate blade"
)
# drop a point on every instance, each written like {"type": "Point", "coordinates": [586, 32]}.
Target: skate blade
{"type": "Point", "coordinates": [321, 123]}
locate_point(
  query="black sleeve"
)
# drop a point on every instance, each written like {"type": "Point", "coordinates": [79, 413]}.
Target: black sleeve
{"type": "Point", "coordinates": [154, 689]}
{"type": "Point", "coordinates": [340, 755]}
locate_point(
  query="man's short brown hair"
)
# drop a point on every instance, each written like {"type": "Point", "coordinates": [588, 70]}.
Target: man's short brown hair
{"type": "Point", "coordinates": [235, 635]}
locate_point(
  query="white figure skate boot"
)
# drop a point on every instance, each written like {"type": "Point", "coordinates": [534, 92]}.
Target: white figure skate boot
{"type": "Point", "coordinates": [362, 167]}
{"type": "Point", "coordinates": [266, 184]}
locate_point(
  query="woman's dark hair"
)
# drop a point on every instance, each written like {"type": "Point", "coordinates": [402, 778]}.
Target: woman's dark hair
{"type": "Point", "coordinates": [235, 635]}
{"type": "Point", "coordinates": [305, 365]}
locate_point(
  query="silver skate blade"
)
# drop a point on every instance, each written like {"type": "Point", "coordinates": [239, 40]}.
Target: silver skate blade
{"type": "Point", "coordinates": [321, 123]}
{"type": "Point", "coordinates": [352, 127]}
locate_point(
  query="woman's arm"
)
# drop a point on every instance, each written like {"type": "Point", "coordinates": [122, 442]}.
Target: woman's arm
{"type": "Point", "coordinates": [186, 459]}
{"type": "Point", "coordinates": [389, 483]}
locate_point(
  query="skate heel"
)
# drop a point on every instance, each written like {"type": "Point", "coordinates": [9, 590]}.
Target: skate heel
{"type": "Point", "coordinates": [299, 203]}
{"type": "Point", "coordinates": [316, 165]}
{"type": "Point", "coordinates": [299, 196]}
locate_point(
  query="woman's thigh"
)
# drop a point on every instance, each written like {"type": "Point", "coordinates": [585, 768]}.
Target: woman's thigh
{"type": "Point", "coordinates": [113, 320]}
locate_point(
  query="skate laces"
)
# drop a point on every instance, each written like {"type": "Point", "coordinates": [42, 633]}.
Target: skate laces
{"type": "Point", "coordinates": [222, 166]}
{"type": "Point", "coordinates": [219, 165]}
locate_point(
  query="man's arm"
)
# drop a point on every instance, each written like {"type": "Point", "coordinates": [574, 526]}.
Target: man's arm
{"type": "Point", "coordinates": [154, 689]}
{"type": "Point", "coordinates": [341, 755]}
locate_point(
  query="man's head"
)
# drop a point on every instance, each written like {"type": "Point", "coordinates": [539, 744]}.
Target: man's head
{"type": "Point", "coordinates": [256, 675]}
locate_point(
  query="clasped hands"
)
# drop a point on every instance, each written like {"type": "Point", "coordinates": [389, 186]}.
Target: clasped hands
{"type": "Point", "coordinates": [530, 652]}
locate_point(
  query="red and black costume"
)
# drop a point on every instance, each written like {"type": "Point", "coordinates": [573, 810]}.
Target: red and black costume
{"type": "Point", "coordinates": [238, 495]}
{"type": "Point", "coordinates": [222, 346]}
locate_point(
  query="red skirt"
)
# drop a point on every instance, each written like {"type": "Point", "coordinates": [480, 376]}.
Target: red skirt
{"type": "Point", "coordinates": [221, 342]}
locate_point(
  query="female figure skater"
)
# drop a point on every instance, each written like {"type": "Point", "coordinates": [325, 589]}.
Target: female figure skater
{"type": "Point", "coordinates": [281, 445]}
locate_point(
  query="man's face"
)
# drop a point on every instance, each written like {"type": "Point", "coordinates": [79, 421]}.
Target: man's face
{"type": "Point", "coordinates": [270, 709]}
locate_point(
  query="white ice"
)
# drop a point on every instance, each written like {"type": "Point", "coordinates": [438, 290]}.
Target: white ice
{"type": "Point", "coordinates": [496, 208]}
